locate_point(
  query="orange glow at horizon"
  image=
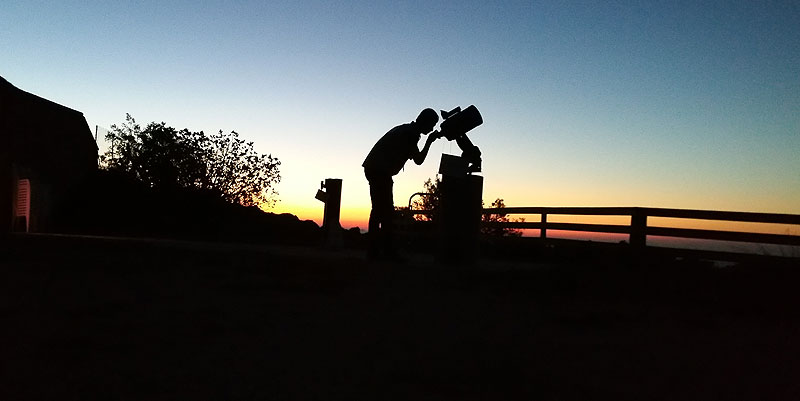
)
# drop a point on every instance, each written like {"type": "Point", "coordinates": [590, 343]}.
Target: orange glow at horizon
{"type": "Point", "coordinates": [359, 217]}
{"type": "Point", "coordinates": [348, 217]}
{"type": "Point", "coordinates": [351, 217]}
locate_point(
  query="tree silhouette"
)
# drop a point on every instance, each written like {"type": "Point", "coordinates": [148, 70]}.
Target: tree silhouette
{"type": "Point", "coordinates": [162, 157]}
{"type": "Point", "coordinates": [429, 201]}
{"type": "Point", "coordinates": [500, 218]}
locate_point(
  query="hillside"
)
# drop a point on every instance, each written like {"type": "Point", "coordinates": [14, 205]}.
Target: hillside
{"type": "Point", "coordinates": [125, 319]}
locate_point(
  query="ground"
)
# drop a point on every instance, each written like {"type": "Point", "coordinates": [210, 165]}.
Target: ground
{"type": "Point", "coordinates": [168, 320]}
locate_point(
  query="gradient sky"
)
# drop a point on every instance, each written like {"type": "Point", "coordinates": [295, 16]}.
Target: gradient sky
{"type": "Point", "coordinates": [691, 104]}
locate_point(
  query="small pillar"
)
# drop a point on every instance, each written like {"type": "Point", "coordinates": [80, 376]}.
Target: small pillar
{"type": "Point", "coordinates": [330, 193]}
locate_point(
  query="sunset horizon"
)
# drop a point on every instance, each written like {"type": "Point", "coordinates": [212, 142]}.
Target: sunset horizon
{"type": "Point", "coordinates": [210, 200]}
{"type": "Point", "coordinates": [691, 106]}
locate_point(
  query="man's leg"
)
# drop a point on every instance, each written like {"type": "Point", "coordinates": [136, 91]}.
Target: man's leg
{"type": "Point", "coordinates": [380, 217]}
{"type": "Point", "coordinates": [387, 214]}
{"type": "Point", "coordinates": [373, 231]}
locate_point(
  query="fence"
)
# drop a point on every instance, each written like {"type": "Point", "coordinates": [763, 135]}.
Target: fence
{"type": "Point", "coordinates": [638, 230]}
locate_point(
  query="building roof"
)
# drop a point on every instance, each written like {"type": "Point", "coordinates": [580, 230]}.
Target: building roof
{"type": "Point", "coordinates": [10, 92]}
{"type": "Point", "coordinates": [28, 120]}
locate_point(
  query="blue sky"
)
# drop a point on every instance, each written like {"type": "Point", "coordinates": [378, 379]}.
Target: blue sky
{"type": "Point", "coordinates": [681, 104]}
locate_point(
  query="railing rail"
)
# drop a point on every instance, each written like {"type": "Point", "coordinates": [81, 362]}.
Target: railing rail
{"type": "Point", "coordinates": [639, 229]}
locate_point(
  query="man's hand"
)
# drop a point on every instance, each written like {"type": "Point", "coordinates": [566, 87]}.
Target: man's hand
{"type": "Point", "coordinates": [420, 156]}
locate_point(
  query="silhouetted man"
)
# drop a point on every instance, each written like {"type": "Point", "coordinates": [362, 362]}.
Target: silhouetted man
{"type": "Point", "coordinates": [385, 160]}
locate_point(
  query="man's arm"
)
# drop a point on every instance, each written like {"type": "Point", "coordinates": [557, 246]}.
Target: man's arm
{"type": "Point", "coordinates": [420, 156]}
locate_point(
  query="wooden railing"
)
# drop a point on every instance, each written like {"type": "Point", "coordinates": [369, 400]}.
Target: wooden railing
{"type": "Point", "coordinates": [638, 229]}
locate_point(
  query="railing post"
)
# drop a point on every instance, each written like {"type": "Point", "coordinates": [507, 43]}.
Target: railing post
{"type": "Point", "coordinates": [543, 231]}
{"type": "Point", "coordinates": [638, 236]}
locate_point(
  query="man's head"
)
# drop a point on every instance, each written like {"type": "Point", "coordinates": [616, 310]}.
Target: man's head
{"type": "Point", "coordinates": [426, 120]}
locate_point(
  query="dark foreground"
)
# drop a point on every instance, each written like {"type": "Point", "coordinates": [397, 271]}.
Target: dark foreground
{"type": "Point", "coordinates": [92, 319]}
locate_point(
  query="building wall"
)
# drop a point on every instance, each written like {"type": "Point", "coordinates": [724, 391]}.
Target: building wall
{"type": "Point", "coordinates": [6, 193]}
{"type": "Point", "coordinates": [49, 144]}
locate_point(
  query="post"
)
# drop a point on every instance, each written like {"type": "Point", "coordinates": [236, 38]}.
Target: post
{"type": "Point", "coordinates": [638, 236]}
{"type": "Point", "coordinates": [332, 197]}
{"type": "Point", "coordinates": [543, 230]}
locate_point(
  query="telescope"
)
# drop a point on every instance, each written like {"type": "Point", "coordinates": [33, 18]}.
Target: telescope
{"type": "Point", "coordinates": [455, 125]}
{"type": "Point", "coordinates": [461, 192]}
